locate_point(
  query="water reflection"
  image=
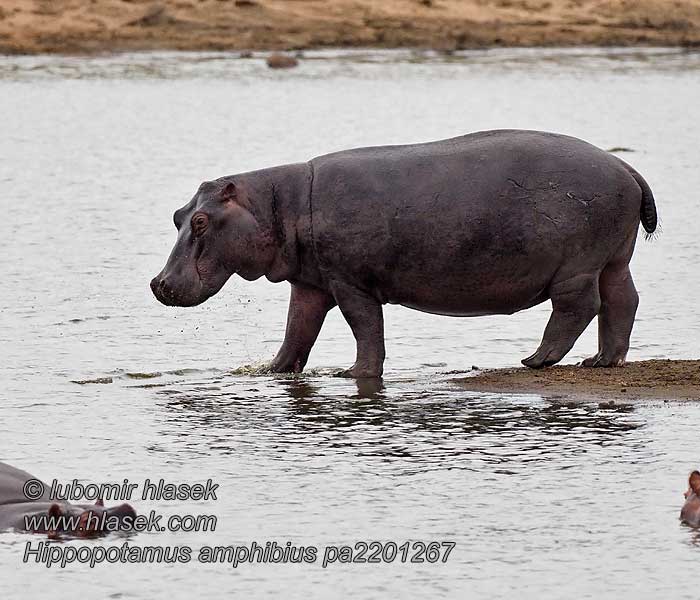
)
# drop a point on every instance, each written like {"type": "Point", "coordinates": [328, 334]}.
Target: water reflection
{"type": "Point", "coordinates": [693, 535]}
{"type": "Point", "coordinates": [424, 427]}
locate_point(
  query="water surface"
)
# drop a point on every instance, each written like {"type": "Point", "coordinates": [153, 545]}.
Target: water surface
{"type": "Point", "coordinates": [544, 498]}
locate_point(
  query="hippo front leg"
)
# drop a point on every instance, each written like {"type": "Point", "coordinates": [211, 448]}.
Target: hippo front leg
{"type": "Point", "coordinates": [307, 310]}
{"type": "Point", "coordinates": [364, 315]}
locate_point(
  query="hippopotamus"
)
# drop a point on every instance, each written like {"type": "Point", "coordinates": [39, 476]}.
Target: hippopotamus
{"type": "Point", "coordinates": [488, 223]}
{"type": "Point", "coordinates": [690, 513]}
{"type": "Point", "coordinates": [16, 509]}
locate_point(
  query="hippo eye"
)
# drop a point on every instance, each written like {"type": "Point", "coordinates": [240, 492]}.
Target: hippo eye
{"type": "Point", "coordinates": [199, 223]}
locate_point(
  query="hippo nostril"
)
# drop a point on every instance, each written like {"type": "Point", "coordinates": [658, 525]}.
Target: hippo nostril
{"type": "Point", "coordinates": [162, 290]}
{"type": "Point", "coordinates": [159, 287]}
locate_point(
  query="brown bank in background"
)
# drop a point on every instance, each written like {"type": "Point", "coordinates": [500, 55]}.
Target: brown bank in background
{"type": "Point", "coordinates": [85, 26]}
{"type": "Point", "coordinates": [648, 379]}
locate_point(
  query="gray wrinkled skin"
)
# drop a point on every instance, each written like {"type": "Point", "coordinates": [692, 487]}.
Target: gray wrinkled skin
{"type": "Point", "coordinates": [488, 223]}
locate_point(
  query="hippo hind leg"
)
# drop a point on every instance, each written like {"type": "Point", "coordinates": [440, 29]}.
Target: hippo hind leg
{"type": "Point", "coordinates": [575, 301]}
{"type": "Point", "coordinates": [364, 314]}
{"type": "Point", "coordinates": [616, 318]}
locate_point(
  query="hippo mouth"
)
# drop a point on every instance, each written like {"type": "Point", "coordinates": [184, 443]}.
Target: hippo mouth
{"type": "Point", "coordinates": [184, 297]}
{"type": "Point", "coordinates": [186, 291]}
{"type": "Point", "coordinates": [170, 295]}
{"type": "Point", "coordinates": [173, 291]}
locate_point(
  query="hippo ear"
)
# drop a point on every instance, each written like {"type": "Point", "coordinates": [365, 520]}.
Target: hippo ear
{"type": "Point", "coordinates": [694, 482]}
{"type": "Point", "coordinates": [229, 193]}
{"type": "Point", "coordinates": [54, 512]}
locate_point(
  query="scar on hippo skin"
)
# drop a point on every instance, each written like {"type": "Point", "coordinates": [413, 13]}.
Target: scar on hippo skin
{"type": "Point", "coordinates": [16, 511]}
{"type": "Point", "coordinates": [690, 513]}
{"type": "Point", "coordinates": [489, 223]}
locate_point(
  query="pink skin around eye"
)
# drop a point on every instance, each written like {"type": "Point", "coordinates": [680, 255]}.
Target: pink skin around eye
{"type": "Point", "coordinates": [199, 223]}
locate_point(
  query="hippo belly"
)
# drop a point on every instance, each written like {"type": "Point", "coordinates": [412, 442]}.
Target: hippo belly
{"type": "Point", "coordinates": [469, 273]}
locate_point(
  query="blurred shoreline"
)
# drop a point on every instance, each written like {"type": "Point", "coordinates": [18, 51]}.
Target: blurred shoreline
{"type": "Point", "coordinates": [96, 26]}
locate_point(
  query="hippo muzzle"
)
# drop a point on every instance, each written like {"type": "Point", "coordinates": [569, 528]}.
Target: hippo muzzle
{"type": "Point", "coordinates": [190, 276]}
{"type": "Point", "coordinates": [175, 291]}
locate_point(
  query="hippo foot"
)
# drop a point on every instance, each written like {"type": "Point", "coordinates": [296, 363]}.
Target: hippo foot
{"type": "Point", "coordinates": [599, 360]}
{"type": "Point", "coordinates": [537, 362]}
{"type": "Point", "coordinates": [356, 372]}
{"type": "Point", "coordinates": [284, 367]}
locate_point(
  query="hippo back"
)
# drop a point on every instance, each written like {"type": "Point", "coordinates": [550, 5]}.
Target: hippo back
{"type": "Point", "coordinates": [12, 482]}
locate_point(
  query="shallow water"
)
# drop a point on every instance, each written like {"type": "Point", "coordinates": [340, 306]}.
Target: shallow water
{"type": "Point", "coordinates": [544, 498]}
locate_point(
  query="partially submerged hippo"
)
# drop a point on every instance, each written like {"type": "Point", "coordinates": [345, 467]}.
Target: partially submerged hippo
{"type": "Point", "coordinates": [690, 513]}
{"type": "Point", "coordinates": [16, 510]}
{"type": "Point", "coordinates": [487, 223]}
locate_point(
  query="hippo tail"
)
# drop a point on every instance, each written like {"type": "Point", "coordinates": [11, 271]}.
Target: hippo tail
{"type": "Point", "coordinates": [647, 212]}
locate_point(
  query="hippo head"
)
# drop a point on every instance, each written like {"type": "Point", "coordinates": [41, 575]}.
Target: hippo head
{"type": "Point", "coordinates": [217, 235]}
{"type": "Point", "coordinates": [80, 520]}
{"type": "Point", "coordinates": [691, 509]}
